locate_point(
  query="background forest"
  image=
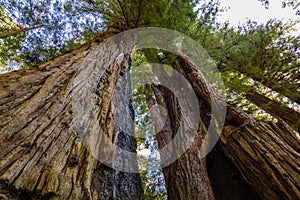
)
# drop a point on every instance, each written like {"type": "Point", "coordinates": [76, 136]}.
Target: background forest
{"type": "Point", "coordinates": [259, 62]}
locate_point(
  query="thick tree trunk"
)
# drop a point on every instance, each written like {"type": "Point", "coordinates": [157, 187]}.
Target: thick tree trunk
{"type": "Point", "coordinates": [267, 154]}
{"type": "Point", "coordinates": [49, 115]}
{"type": "Point", "coordinates": [226, 180]}
{"type": "Point", "coordinates": [50, 122]}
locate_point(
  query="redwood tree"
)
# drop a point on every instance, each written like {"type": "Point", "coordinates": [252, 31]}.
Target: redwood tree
{"type": "Point", "coordinates": [49, 115]}
{"type": "Point", "coordinates": [46, 115]}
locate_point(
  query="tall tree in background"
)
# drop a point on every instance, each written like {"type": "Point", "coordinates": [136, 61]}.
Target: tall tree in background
{"type": "Point", "coordinates": [9, 41]}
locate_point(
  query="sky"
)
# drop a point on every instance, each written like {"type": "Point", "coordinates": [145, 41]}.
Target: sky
{"type": "Point", "coordinates": [240, 10]}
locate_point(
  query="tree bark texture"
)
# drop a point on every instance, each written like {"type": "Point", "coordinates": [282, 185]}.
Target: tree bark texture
{"type": "Point", "coordinates": [186, 177]}
{"type": "Point", "coordinates": [226, 180]}
{"type": "Point", "coordinates": [47, 114]}
{"type": "Point", "coordinates": [267, 154]}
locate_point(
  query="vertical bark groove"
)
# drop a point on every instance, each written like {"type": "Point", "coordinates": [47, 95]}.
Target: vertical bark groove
{"type": "Point", "coordinates": [261, 153]}
{"type": "Point", "coordinates": [186, 177]}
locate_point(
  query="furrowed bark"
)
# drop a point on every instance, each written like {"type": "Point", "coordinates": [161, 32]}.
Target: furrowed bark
{"type": "Point", "coordinates": [186, 177]}
{"type": "Point", "coordinates": [50, 121]}
{"type": "Point", "coordinates": [179, 139]}
{"type": "Point", "coordinates": [267, 154]}
{"type": "Point", "coordinates": [226, 180]}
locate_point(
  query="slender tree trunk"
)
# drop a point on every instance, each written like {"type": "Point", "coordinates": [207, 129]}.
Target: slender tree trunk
{"type": "Point", "coordinates": [186, 177]}
{"type": "Point", "coordinates": [270, 83]}
{"type": "Point", "coordinates": [274, 85]}
{"type": "Point", "coordinates": [276, 109]}
{"type": "Point", "coordinates": [50, 122]}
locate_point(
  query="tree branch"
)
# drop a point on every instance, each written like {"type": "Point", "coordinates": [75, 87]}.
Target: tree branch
{"type": "Point", "coordinates": [16, 32]}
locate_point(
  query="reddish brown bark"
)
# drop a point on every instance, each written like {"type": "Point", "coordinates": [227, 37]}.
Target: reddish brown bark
{"type": "Point", "coordinates": [42, 154]}
{"type": "Point", "coordinates": [275, 108]}
{"type": "Point", "coordinates": [265, 153]}
{"type": "Point", "coordinates": [186, 177]}
{"type": "Point", "coordinates": [49, 118]}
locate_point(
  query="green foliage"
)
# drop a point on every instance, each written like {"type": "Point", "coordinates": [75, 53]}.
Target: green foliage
{"type": "Point", "coordinates": [8, 53]}
{"type": "Point", "coordinates": [52, 27]}
{"type": "Point", "coordinates": [10, 44]}
{"type": "Point", "coordinates": [295, 4]}
{"type": "Point", "coordinates": [266, 53]}
{"type": "Point", "coordinates": [153, 183]}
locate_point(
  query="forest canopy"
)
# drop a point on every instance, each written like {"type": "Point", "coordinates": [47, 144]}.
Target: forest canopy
{"type": "Point", "coordinates": [250, 56]}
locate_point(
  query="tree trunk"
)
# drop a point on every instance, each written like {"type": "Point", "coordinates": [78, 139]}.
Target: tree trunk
{"type": "Point", "coordinates": [186, 177]}
{"type": "Point", "coordinates": [50, 122]}
{"type": "Point", "coordinates": [273, 84]}
{"type": "Point", "coordinates": [226, 180]}
{"type": "Point", "coordinates": [51, 139]}
{"type": "Point", "coordinates": [276, 109]}
{"type": "Point", "coordinates": [267, 154]}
